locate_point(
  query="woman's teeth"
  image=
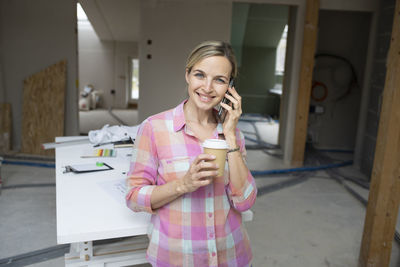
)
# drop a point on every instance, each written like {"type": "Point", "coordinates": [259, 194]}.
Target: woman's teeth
{"type": "Point", "coordinates": [205, 98]}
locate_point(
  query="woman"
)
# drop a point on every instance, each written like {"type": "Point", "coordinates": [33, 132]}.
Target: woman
{"type": "Point", "coordinates": [196, 216]}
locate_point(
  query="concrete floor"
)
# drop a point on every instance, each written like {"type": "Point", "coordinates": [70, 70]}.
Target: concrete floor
{"type": "Point", "coordinates": [311, 223]}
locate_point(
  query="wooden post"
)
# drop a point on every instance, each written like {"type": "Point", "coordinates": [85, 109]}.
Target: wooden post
{"type": "Point", "coordinates": [305, 81]}
{"type": "Point", "coordinates": [384, 196]}
{"type": "Point", "coordinates": [5, 127]}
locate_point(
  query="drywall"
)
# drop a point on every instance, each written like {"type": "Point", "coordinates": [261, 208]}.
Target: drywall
{"type": "Point", "coordinates": [96, 62]}
{"type": "Point", "coordinates": [104, 64]}
{"type": "Point", "coordinates": [35, 35]}
{"type": "Point", "coordinates": [174, 28]}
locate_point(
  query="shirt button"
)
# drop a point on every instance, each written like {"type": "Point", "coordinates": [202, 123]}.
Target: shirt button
{"type": "Point", "coordinates": [209, 194]}
{"type": "Point", "coordinates": [211, 235]}
{"type": "Point", "coordinates": [213, 254]}
{"type": "Point", "coordinates": [210, 214]}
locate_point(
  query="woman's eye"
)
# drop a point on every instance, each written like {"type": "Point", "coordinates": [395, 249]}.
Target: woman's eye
{"type": "Point", "coordinates": [221, 81]}
{"type": "Point", "coordinates": [199, 75]}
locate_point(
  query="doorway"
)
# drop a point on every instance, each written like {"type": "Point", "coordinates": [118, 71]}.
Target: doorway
{"type": "Point", "coordinates": [258, 37]}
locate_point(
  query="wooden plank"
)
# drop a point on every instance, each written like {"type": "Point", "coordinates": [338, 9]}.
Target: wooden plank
{"type": "Point", "coordinates": [305, 80]}
{"type": "Point", "coordinates": [5, 127]}
{"type": "Point", "coordinates": [43, 108]}
{"type": "Point", "coordinates": [384, 197]}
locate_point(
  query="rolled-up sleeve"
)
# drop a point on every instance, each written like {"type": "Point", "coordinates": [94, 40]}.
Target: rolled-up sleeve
{"type": "Point", "coordinates": [142, 173]}
{"type": "Point", "coordinates": [243, 198]}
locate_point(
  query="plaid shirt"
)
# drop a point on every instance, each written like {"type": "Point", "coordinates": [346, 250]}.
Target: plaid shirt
{"type": "Point", "coordinates": [202, 228]}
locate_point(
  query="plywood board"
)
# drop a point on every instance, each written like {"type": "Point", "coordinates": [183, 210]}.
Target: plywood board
{"type": "Point", "coordinates": [5, 127]}
{"type": "Point", "coordinates": [43, 108]}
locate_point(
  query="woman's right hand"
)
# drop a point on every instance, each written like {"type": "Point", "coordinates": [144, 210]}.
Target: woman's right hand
{"type": "Point", "coordinates": [201, 173]}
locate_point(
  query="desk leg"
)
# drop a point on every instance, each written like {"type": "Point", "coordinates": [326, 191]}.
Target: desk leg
{"type": "Point", "coordinates": [82, 250]}
{"type": "Point", "coordinates": [127, 252]}
{"type": "Point", "coordinates": [86, 250]}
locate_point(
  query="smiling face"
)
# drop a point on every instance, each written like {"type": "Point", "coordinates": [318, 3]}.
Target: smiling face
{"type": "Point", "coordinates": [208, 81]}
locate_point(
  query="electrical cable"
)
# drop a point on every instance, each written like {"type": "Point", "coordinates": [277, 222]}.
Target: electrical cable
{"type": "Point", "coordinates": [29, 157]}
{"type": "Point", "coordinates": [302, 169]}
{"type": "Point", "coordinates": [116, 117]}
{"type": "Point", "coordinates": [261, 144]}
{"type": "Point", "coordinates": [353, 81]}
{"type": "Point", "coordinates": [31, 164]}
{"type": "Point", "coordinates": [281, 185]}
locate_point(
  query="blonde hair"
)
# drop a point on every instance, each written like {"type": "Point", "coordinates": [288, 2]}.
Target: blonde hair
{"type": "Point", "coordinates": [209, 49]}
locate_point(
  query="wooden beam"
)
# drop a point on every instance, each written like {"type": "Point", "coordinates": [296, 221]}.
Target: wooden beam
{"type": "Point", "coordinates": [5, 127]}
{"type": "Point", "coordinates": [384, 196]}
{"type": "Point", "coordinates": [305, 80]}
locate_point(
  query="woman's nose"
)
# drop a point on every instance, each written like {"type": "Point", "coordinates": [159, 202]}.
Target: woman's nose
{"type": "Point", "coordinates": [208, 85]}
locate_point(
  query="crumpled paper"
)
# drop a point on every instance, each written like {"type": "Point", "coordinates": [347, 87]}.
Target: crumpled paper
{"type": "Point", "coordinates": [115, 133]}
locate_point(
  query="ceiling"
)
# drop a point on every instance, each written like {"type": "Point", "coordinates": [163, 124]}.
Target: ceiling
{"type": "Point", "coordinates": [265, 25]}
{"type": "Point", "coordinates": [114, 20]}
{"type": "Point", "coordinates": [258, 25]}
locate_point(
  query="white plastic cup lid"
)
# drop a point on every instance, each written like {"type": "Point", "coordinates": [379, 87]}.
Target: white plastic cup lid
{"type": "Point", "coordinates": [215, 143]}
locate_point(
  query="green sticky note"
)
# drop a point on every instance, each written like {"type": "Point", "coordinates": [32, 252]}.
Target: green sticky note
{"type": "Point", "coordinates": [99, 164]}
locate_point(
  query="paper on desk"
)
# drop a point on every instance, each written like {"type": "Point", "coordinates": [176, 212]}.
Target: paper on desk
{"type": "Point", "coordinates": [113, 134]}
{"type": "Point", "coordinates": [116, 189]}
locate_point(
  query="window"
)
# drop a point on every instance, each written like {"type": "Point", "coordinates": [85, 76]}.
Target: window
{"type": "Point", "coordinates": [280, 53]}
{"type": "Point", "coordinates": [134, 80]}
{"type": "Point", "coordinates": [81, 13]}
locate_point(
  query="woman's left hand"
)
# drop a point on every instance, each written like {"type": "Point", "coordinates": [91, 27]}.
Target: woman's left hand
{"type": "Point", "coordinates": [234, 111]}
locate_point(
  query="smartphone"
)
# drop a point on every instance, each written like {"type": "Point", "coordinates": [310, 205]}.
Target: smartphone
{"type": "Point", "coordinates": [221, 113]}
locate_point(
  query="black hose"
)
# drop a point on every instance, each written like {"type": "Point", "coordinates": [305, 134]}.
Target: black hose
{"type": "Point", "coordinates": [353, 81]}
{"type": "Point", "coordinates": [28, 186]}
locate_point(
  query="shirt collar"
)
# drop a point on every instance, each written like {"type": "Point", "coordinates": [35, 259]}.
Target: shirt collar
{"type": "Point", "coordinates": [179, 117]}
{"type": "Point", "coordinates": [180, 122]}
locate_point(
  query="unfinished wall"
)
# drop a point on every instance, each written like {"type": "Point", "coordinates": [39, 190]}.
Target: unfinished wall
{"type": "Point", "coordinates": [256, 77]}
{"type": "Point", "coordinates": [35, 35]}
{"type": "Point", "coordinates": [343, 40]}
{"type": "Point", "coordinates": [104, 64]}
{"type": "Point", "coordinates": [174, 28]}
{"type": "Point", "coordinates": [377, 83]}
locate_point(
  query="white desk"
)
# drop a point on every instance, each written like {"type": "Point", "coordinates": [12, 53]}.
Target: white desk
{"type": "Point", "coordinates": [87, 212]}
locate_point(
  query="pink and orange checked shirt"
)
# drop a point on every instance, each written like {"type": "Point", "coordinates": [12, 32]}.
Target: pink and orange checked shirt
{"type": "Point", "coordinates": [202, 228]}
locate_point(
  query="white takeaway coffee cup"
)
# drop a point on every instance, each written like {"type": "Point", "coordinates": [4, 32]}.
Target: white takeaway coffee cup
{"type": "Point", "coordinates": [218, 148]}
